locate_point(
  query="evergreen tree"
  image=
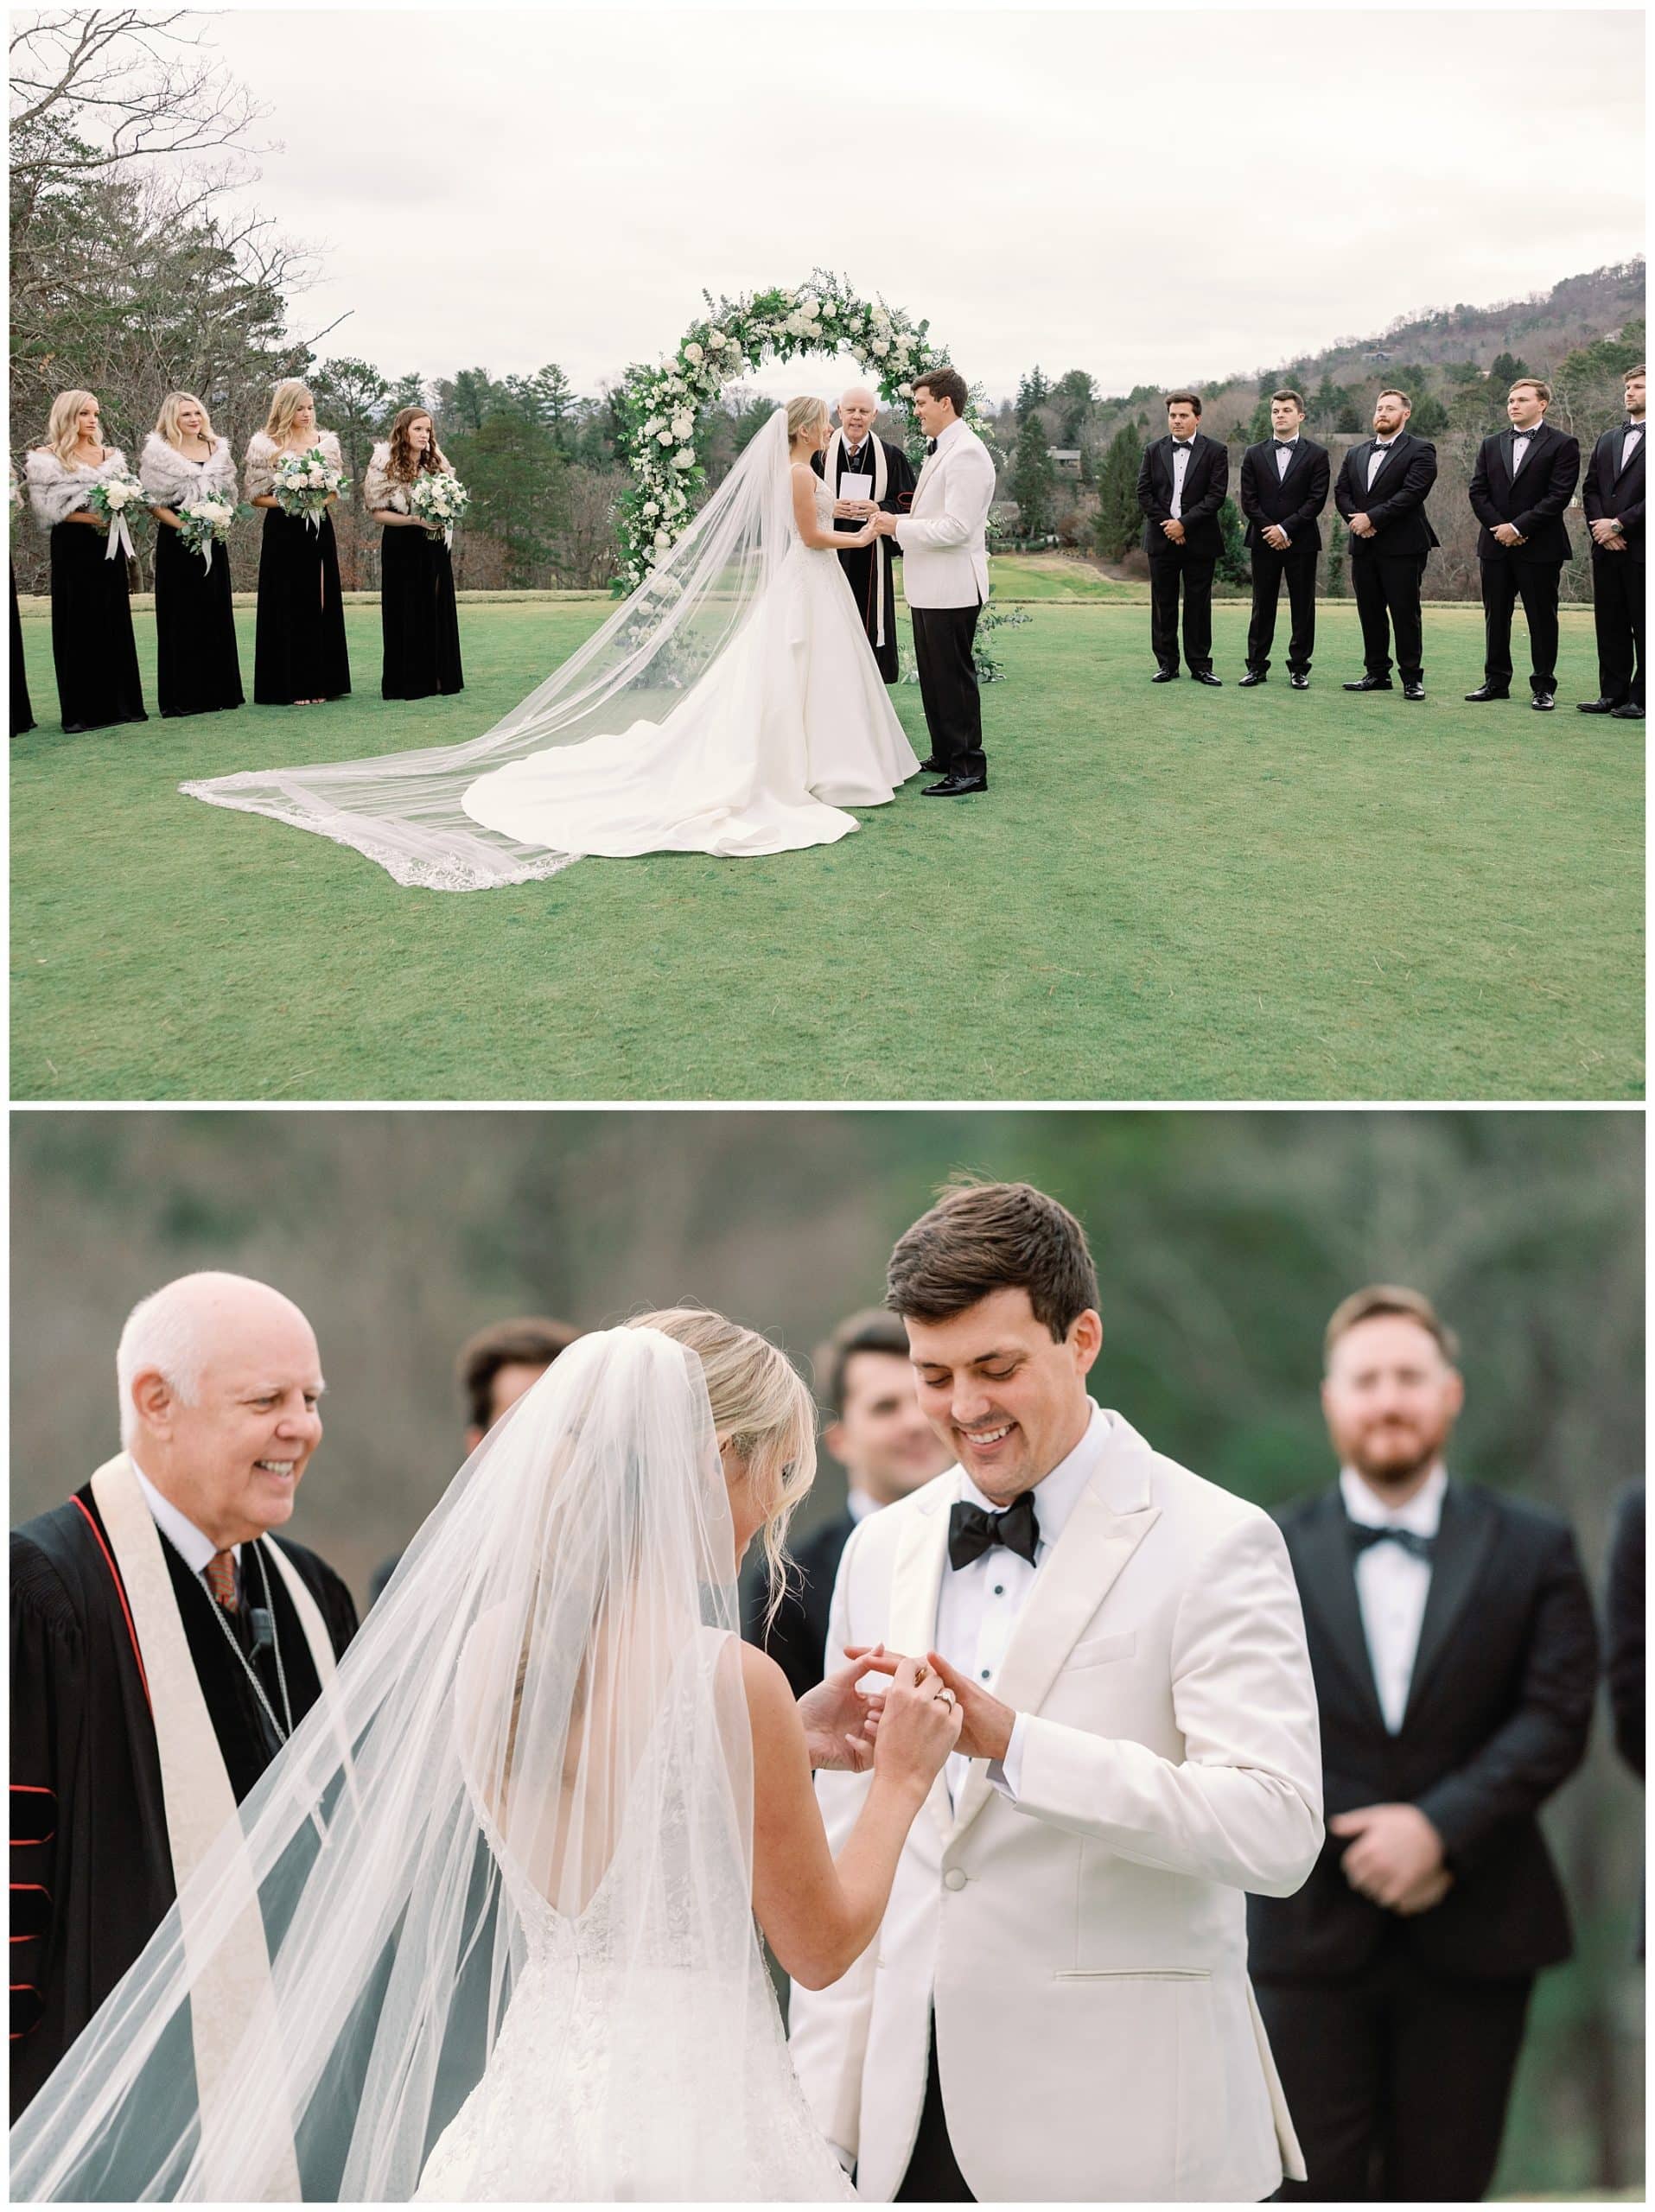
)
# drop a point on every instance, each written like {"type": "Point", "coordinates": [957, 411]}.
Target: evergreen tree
{"type": "Point", "coordinates": [1032, 392]}
{"type": "Point", "coordinates": [467, 398]}
{"type": "Point", "coordinates": [1349, 418]}
{"type": "Point", "coordinates": [1074, 395]}
{"type": "Point", "coordinates": [1234, 567]}
{"type": "Point", "coordinates": [1430, 417]}
{"type": "Point", "coordinates": [353, 398]}
{"type": "Point", "coordinates": [1506, 369]}
{"type": "Point", "coordinates": [1033, 483]}
{"type": "Point", "coordinates": [405, 391]}
{"type": "Point", "coordinates": [1120, 521]}
{"type": "Point", "coordinates": [514, 472]}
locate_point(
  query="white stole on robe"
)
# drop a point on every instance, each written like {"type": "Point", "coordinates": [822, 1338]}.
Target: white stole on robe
{"type": "Point", "coordinates": [228, 1963]}
{"type": "Point", "coordinates": [882, 486]}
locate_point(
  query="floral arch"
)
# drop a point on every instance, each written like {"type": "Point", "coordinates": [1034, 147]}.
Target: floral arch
{"type": "Point", "coordinates": [660, 405]}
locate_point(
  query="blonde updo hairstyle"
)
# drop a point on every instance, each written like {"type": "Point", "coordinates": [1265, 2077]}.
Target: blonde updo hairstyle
{"type": "Point", "coordinates": [285, 402]}
{"type": "Point", "coordinates": [761, 1404]}
{"type": "Point", "coordinates": [61, 429]}
{"type": "Point", "coordinates": [805, 415]}
{"type": "Point", "coordinates": [167, 420]}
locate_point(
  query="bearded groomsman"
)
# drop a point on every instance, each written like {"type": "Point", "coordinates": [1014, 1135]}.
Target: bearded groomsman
{"type": "Point", "coordinates": [1284, 482]}
{"type": "Point", "coordinates": [1182, 485]}
{"type": "Point", "coordinates": [1381, 493]}
{"type": "Point", "coordinates": [1523, 480]}
{"type": "Point", "coordinates": [1456, 1661]}
{"type": "Point", "coordinates": [868, 475]}
{"type": "Point", "coordinates": [1614, 499]}
{"type": "Point", "coordinates": [165, 1645]}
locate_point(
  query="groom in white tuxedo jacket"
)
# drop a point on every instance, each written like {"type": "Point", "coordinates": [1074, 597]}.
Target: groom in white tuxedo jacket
{"type": "Point", "coordinates": [1057, 2007]}
{"type": "Point", "coordinates": [945, 579]}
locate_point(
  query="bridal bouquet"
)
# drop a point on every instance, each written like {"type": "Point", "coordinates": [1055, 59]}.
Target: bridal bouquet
{"type": "Point", "coordinates": [439, 500]}
{"type": "Point", "coordinates": [205, 523]}
{"type": "Point", "coordinates": [111, 496]}
{"type": "Point", "coordinates": [304, 484]}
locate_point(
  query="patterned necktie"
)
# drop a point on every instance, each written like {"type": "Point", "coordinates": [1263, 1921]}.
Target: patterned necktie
{"type": "Point", "coordinates": [220, 1573]}
{"type": "Point", "coordinates": [971, 1531]}
{"type": "Point", "coordinates": [1416, 1546]}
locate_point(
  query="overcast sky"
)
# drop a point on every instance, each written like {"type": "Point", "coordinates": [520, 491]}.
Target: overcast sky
{"type": "Point", "coordinates": [1150, 195]}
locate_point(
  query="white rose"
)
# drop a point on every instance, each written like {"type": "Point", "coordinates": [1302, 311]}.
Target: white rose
{"type": "Point", "coordinates": [662, 541]}
{"type": "Point", "coordinates": [881, 346]}
{"type": "Point", "coordinates": [664, 438]}
{"type": "Point", "coordinates": [683, 461]}
{"type": "Point", "coordinates": [683, 427]}
{"type": "Point", "coordinates": [650, 507]}
{"type": "Point", "coordinates": [692, 352]}
{"type": "Point", "coordinates": [718, 340]}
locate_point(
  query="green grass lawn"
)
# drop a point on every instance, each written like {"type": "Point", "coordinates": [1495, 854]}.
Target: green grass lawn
{"type": "Point", "coordinates": [1168, 893]}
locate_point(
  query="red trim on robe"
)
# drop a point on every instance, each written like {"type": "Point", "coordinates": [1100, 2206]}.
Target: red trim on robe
{"type": "Point", "coordinates": [120, 1593]}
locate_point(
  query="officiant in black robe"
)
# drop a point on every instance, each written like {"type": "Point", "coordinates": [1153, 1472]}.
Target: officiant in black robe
{"type": "Point", "coordinates": [106, 1758]}
{"type": "Point", "coordinates": [882, 474]}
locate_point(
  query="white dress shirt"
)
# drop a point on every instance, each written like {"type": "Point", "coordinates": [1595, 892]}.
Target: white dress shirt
{"type": "Point", "coordinates": [978, 1605]}
{"type": "Point", "coordinates": [1520, 445]}
{"type": "Point", "coordinates": [1284, 460]}
{"type": "Point", "coordinates": [1391, 1585]}
{"type": "Point", "coordinates": [859, 1504]}
{"type": "Point", "coordinates": [1180, 469]}
{"type": "Point", "coordinates": [180, 1532]}
{"type": "Point", "coordinates": [1629, 443]}
{"type": "Point", "coordinates": [1377, 458]}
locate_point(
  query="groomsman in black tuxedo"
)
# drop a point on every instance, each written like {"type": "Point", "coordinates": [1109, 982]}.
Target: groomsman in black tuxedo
{"type": "Point", "coordinates": [1284, 482]}
{"type": "Point", "coordinates": [1455, 1661]}
{"type": "Point", "coordinates": [1613, 500]}
{"type": "Point", "coordinates": [1181, 484]}
{"type": "Point", "coordinates": [868, 475]}
{"type": "Point", "coordinates": [1381, 493]}
{"type": "Point", "coordinates": [1524, 480]}
{"type": "Point", "coordinates": [878, 1435]}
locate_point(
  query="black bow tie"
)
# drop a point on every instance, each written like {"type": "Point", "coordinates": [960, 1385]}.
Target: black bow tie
{"type": "Point", "coordinates": [1631, 426]}
{"type": "Point", "coordinates": [1383, 445]}
{"type": "Point", "coordinates": [1533, 431]}
{"type": "Point", "coordinates": [931, 445]}
{"type": "Point", "coordinates": [1416, 1546]}
{"type": "Point", "coordinates": [1183, 445]}
{"type": "Point", "coordinates": [1284, 445]}
{"type": "Point", "coordinates": [971, 1531]}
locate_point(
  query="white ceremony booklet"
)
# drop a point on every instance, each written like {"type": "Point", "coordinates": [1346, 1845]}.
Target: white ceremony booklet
{"type": "Point", "coordinates": [856, 487]}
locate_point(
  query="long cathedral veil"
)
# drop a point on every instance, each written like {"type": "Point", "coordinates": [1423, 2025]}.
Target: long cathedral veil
{"type": "Point", "coordinates": [403, 810]}
{"type": "Point", "coordinates": [531, 1776]}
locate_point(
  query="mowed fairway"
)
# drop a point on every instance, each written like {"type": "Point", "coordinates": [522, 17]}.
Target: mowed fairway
{"type": "Point", "coordinates": [1168, 893]}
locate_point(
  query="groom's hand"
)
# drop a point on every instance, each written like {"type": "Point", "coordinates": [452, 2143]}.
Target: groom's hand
{"type": "Point", "coordinates": [1394, 1855]}
{"type": "Point", "coordinates": [884, 525]}
{"type": "Point", "coordinates": [986, 1733]}
{"type": "Point", "coordinates": [839, 1719]}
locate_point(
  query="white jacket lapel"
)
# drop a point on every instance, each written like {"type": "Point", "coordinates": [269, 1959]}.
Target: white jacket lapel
{"type": "Point", "coordinates": [916, 1581]}
{"type": "Point", "coordinates": [1110, 1519]}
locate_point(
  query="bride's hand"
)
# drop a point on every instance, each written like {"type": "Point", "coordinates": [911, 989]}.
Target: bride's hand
{"type": "Point", "coordinates": [918, 1727]}
{"type": "Point", "coordinates": [837, 1715]}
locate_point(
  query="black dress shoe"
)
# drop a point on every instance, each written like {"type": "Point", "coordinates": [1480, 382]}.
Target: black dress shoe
{"type": "Point", "coordinates": [1413, 691]}
{"type": "Point", "coordinates": [1543, 703]}
{"type": "Point", "coordinates": [1371, 684]}
{"type": "Point", "coordinates": [1629, 713]}
{"type": "Point", "coordinates": [929, 767]}
{"type": "Point", "coordinates": [955, 786]}
{"type": "Point", "coordinates": [1206, 675]}
{"type": "Point", "coordinates": [1299, 682]}
{"type": "Point", "coordinates": [1485, 691]}
{"type": "Point", "coordinates": [1253, 675]}
{"type": "Point", "coordinates": [1165, 676]}
{"type": "Point", "coordinates": [1604, 706]}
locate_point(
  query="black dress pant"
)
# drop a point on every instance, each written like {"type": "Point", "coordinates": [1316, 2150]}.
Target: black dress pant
{"type": "Point", "coordinates": [1618, 611]}
{"type": "Point", "coordinates": [933, 2176]}
{"type": "Point", "coordinates": [1535, 583]}
{"type": "Point", "coordinates": [1167, 570]}
{"type": "Point", "coordinates": [1386, 586]}
{"type": "Point", "coordinates": [1397, 2080]}
{"type": "Point", "coordinates": [1298, 565]}
{"type": "Point", "coordinates": [943, 638]}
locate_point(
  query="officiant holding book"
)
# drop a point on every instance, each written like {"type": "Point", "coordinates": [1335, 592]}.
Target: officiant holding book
{"type": "Point", "coordinates": [868, 475]}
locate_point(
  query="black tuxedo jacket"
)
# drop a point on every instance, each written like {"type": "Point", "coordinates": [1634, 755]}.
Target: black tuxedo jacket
{"type": "Point", "coordinates": [1499, 1712]}
{"type": "Point", "coordinates": [1534, 501]}
{"type": "Point", "coordinates": [798, 1641]}
{"type": "Point", "coordinates": [1207, 480]}
{"type": "Point", "coordinates": [1395, 505]}
{"type": "Point", "coordinates": [1611, 491]}
{"type": "Point", "coordinates": [1293, 500]}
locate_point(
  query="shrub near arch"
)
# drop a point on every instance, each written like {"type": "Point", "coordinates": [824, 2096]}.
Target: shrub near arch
{"type": "Point", "coordinates": [660, 405]}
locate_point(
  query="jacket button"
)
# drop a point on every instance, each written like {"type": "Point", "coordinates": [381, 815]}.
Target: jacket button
{"type": "Point", "coordinates": [953, 1879]}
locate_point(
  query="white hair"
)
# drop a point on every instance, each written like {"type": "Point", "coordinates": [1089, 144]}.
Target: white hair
{"type": "Point", "coordinates": [166, 1334]}
{"type": "Point", "coordinates": [860, 391]}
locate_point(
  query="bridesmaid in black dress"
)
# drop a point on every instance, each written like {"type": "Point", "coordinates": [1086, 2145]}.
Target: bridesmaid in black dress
{"type": "Point", "coordinates": [22, 715]}
{"type": "Point", "coordinates": [299, 652]}
{"type": "Point", "coordinates": [416, 605]}
{"type": "Point", "coordinates": [198, 671]}
{"type": "Point", "coordinates": [92, 647]}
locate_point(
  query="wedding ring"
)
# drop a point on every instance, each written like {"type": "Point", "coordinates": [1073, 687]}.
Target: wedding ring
{"type": "Point", "coordinates": [944, 1697]}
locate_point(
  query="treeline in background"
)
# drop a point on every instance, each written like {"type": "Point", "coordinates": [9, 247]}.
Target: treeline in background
{"type": "Point", "coordinates": [135, 271]}
{"type": "Point", "coordinates": [1222, 1240]}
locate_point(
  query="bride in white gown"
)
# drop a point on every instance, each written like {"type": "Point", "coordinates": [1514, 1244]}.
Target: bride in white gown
{"type": "Point", "coordinates": [732, 705]}
{"type": "Point", "coordinates": [484, 1932]}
